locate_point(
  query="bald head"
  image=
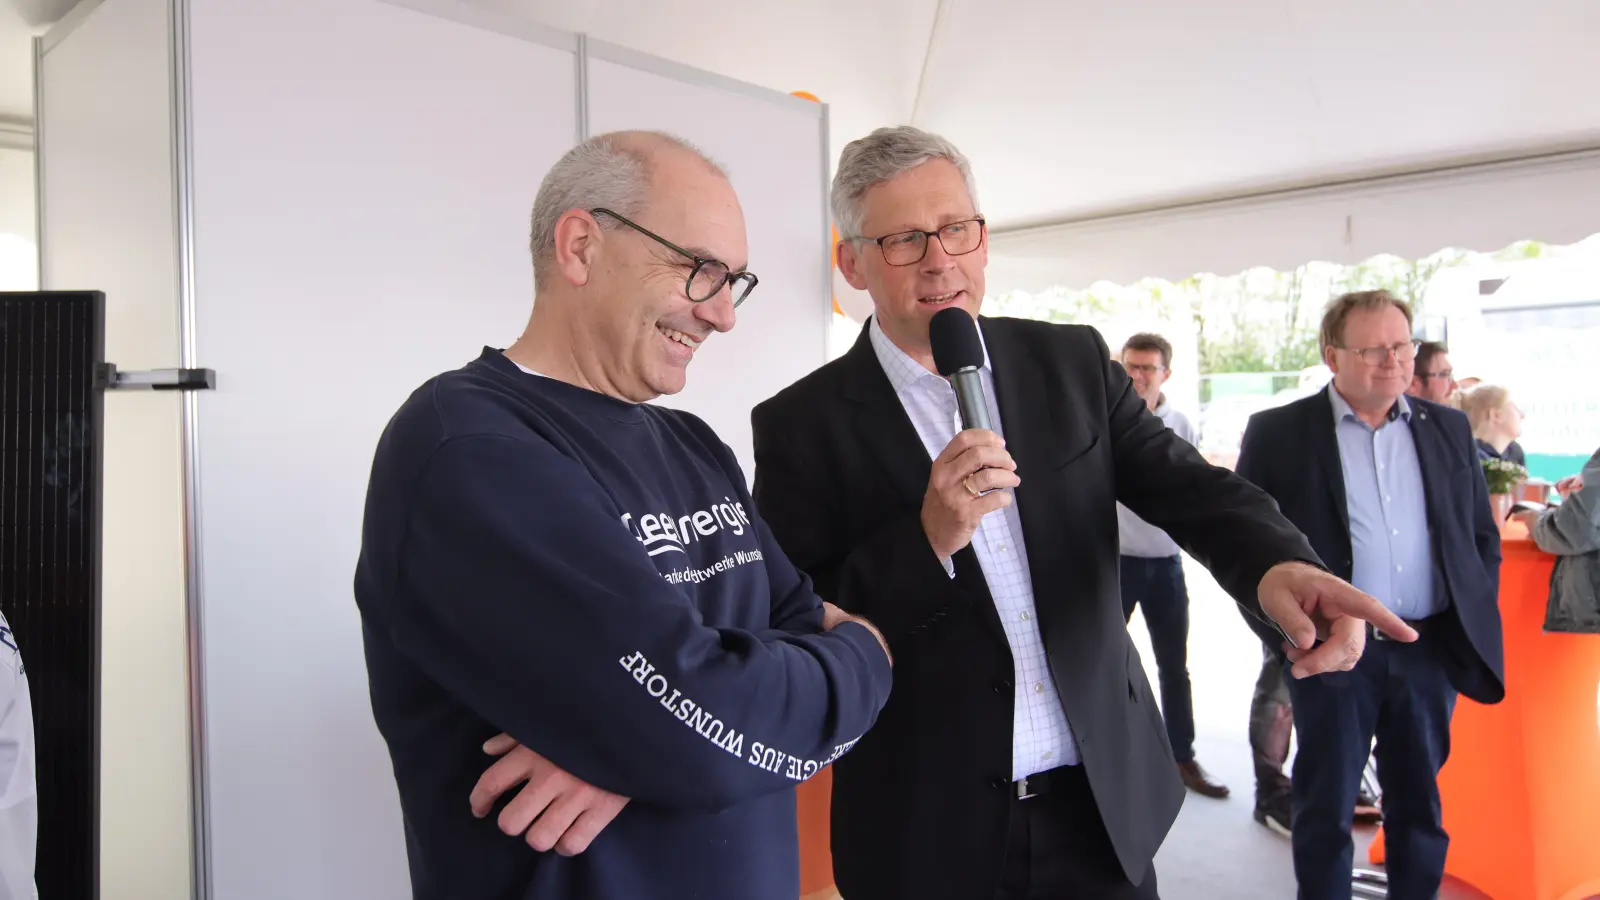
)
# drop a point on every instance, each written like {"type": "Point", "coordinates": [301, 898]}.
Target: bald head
{"type": "Point", "coordinates": [637, 240]}
{"type": "Point", "coordinates": [621, 171]}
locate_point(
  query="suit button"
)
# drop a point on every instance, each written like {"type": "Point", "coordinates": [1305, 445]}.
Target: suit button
{"type": "Point", "coordinates": [1002, 686]}
{"type": "Point", "coordinates": [998, 783]}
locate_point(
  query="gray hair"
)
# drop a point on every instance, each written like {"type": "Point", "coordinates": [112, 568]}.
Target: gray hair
{"type": "Point", "coordinates": [613, 171]}
{"type": "Point", "coordinates": [880, 156]}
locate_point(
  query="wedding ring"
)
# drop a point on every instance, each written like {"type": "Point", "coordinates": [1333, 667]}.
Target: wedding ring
{"type": "Point", "coordinates": [967, 483]}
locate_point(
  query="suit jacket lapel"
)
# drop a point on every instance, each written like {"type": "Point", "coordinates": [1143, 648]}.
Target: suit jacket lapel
{"type": "Point", "coordinates": [882, 425]}
{"type": "Point", "coordinates": [1035, 431]}
{"type": "Point", "coordinates": [1429, 450]}
{"type": "Point", "coordinates": [1325, 446]}
{"type": "Point", "coordinates": [881, 422]}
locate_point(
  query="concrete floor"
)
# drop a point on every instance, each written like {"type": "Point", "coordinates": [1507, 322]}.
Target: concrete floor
{"type": "Point", "coordinates": [1216, 851]}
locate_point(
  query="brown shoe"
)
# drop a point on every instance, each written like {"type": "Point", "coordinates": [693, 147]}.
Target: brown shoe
{"type": "Point", "coordinates": [1367, 811]}
{"type": "Point", "coordinates": [1196, 779]}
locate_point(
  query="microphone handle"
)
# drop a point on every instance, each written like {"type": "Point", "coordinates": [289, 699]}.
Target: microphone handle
{"type": "Point", "coordinates": [969, 399]}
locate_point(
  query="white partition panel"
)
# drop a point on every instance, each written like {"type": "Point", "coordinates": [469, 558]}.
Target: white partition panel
{"type": "Point", "coordinates": [363, 176]}
{"type": "Point", "coordinates": [108, 223]}
{"type": "Point", "coordinates": [774, 148]}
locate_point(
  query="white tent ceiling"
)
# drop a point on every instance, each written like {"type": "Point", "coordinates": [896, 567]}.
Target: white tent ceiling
{"type": "Point", "coordinates": [1076, 109]}
{"type": "Point", "coordinates": [1071, 108]}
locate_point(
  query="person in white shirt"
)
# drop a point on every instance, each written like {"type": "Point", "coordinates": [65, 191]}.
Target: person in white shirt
{"type": "Point", "coordinates": [1152, 572]}
{"type": "Point", "coordinates": [19, 801]}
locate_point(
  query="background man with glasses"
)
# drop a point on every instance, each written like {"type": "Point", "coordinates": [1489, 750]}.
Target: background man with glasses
{"type": "Point", "coordinates": [1152, 572]}
{"type": "Point", "coordinates": [1021, 754]}
{"type": "Point", "coordinates": [548, 559]}
{"type": "Point", "coordinates": [1434, 378]}
{"type": "Point", "coordinates": [1389, 490]}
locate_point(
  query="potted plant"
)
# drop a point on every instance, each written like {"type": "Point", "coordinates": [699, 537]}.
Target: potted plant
{"type": "Point", "coordinates": [1503, 477]}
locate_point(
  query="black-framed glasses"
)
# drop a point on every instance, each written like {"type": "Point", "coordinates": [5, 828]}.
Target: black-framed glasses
{"type": "Point", "coordinates": [1377, 356]}
{"type": "Point", "coordinates": [708, 275]}
{"type": "Point", "coordinates": [907, 248]}
{"type": "Point", "coordinates": [1143, 369]}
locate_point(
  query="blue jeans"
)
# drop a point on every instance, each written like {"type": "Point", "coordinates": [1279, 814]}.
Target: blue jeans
{"type": "Point", "coordinates": [1400, 693]}
{"type": "Point", "coordinates": [1158, 584]}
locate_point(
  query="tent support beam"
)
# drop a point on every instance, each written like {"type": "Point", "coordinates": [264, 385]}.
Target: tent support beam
{"type": "Point", "coordinates": [935, 36]}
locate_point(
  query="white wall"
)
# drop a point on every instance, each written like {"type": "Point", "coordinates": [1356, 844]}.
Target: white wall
{"type": "Point", "coordinates": [19, 265]}
{"type": "Point", "coordinates": [775, 160]}
{"type": "Point", "coordinates": [363, 181]}
{"type": "Point", "coordinates": [108, 225]}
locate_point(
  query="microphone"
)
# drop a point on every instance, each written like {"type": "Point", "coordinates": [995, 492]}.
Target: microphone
{"type": "Point", "coordinates": [958, 355]}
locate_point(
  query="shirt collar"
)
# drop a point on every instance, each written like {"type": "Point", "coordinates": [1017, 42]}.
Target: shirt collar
{"type": "Point", "coordinates": [1342, 409]}
{"type": "Point", "coordinates": [903, 371]}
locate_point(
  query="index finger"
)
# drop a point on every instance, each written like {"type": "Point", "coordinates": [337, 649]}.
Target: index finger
{"type": "Point", "coordinates": [984, 457]}
{"type": "Point", "coordinates": [966, 440]}
{"type": "Point", "coordinates": [1360, 605]}
{"type": "Point", "coordinates": [505, 774]}
{"type": "Point", "coordinates": [499, 745]}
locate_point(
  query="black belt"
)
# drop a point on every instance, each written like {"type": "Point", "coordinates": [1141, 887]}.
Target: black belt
{"type": "Point", "coordinates": [1048, 782]}
{"type": "Point", "coordinates": [1420, 626]}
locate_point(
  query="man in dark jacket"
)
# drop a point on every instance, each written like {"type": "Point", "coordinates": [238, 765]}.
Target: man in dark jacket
{"type": "Point", "coordinates": [1021, 753]}
{"type": "Point", "coordinates": [1389, 491]}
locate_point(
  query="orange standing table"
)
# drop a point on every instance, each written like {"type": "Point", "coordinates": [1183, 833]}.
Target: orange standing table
{"type": "Point", "coordinates": [1521, 789]}
{"type": "Point", "coordinates": [814, 799]}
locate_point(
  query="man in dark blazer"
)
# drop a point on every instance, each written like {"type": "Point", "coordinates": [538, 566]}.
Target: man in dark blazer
{"type": "Point", "coordinates": [1021, 753]}
{"type": "Point", "coordinates": [1389, 491]}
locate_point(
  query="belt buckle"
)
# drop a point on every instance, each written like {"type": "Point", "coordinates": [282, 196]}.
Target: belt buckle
{"type": "Point", "coordinates": [1022, 790]}
{"type": "Point", "coordinates": [1376, 635]}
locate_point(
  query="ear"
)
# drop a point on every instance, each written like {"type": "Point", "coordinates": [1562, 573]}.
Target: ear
{"type": "Point", "coordinates": [1330, 359]}
{"type": "Point", "coordinates": [848, 265]}
{"type": "Point", "coordinates": [577, 246]}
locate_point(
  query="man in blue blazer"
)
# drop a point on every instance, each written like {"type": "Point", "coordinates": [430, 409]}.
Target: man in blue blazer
{"type": "Point", "coordinates": [1389, 491]}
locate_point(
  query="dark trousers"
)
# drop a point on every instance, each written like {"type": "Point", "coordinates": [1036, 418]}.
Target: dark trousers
{"type": "Point", "coordinates": [1157, 584]}
{"type": "Point", "coordinates": [1058, 848]}
{"type": "Point", "coordinates": [1400, 693]}
{"type": "Point", "coordinates": [1271, 726]}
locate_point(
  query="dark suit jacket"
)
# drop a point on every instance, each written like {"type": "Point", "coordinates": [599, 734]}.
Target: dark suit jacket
{"type": "Point", "coordinates": [920, 806]}
{"type": "Point", "coordinates": [1293, 454]}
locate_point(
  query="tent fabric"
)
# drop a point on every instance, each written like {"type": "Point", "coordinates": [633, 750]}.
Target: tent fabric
{"type": "Point", "coordinates": [1484, 208]}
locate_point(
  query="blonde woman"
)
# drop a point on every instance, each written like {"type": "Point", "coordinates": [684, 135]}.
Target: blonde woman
{"type": "Point", "coordinates": [1496, 423]}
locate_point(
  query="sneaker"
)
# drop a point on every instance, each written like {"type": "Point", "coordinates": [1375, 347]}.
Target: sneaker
{"type": "Point", "coordinates": [1276, 819]}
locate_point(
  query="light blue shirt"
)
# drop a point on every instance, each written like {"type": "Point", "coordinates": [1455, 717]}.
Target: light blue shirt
{"type": "Point", "coordinates": [1391, 549]}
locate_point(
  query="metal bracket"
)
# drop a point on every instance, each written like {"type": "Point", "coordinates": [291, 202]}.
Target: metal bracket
{"type": "Point", "coordinates": [1369, 883]}
{"type": "Point", "coordinates": [107, 377]}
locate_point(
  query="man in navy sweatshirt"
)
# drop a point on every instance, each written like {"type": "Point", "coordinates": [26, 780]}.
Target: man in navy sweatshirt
{"type": "Point", "coordinates": [551, 563]}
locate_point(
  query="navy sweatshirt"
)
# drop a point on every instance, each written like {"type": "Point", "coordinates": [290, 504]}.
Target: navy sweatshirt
{"type": "Point", "coordinates": [590, 576]}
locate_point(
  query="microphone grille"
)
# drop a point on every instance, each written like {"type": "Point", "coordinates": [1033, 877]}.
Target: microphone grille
{"type": "Point", "coordinates": [953, 335]}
